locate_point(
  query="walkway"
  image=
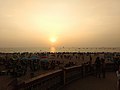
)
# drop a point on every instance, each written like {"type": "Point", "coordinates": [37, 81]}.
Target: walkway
{"type": "Point", "coordinates": [93, 83]}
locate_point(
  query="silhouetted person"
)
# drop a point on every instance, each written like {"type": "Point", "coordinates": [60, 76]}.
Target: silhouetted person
{"type": "Point", "coordinates": [98, 67]}
{"type": "Point", "coordinates": [118, 78]}
{"type": "Point", "coordinates": [90, 64]}
{"type": "Point", "coordinates": [103, 67]}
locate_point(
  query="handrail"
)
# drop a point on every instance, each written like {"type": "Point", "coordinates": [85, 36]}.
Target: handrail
{"type": "Point", "coordinates": [55, 79]}
{"type": "Point", "coordinates": [73, 67]}
{"type": "Point", "coordinates": [43, 75]}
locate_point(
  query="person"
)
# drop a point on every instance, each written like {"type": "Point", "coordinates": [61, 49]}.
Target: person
{"type": "Point", "coordinates": [98, 67]}
{"type": "Point", "coordinates": [118, 78]}
{"type": "Point", "coordinates": [90, 65]}
{"type": "Point", "coordinates": [103, 67]}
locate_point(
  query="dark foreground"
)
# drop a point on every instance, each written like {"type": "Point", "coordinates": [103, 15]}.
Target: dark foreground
{"type": "Point", "coordinates": [93, 83]}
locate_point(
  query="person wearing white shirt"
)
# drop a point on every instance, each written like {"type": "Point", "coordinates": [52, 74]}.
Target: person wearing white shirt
{"type": "Point", "coordinates": [118, 78]}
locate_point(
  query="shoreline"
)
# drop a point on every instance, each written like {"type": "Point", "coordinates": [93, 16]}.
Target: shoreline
{"type": "Point", "coordinates": [59, 49]}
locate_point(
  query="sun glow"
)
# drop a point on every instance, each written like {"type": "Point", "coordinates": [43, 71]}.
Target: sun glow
{"type": "Point", "coordinates": [53, 39]}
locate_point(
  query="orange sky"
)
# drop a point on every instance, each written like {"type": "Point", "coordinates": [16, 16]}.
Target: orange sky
{"type": "Point", "coordinates": [73, 23]}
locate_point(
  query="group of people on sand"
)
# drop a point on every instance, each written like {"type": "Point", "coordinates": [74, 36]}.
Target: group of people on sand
{"type": "Point", "coordinates": [20, 66]}
{"type": "Point", "coordinates": [17, 66]}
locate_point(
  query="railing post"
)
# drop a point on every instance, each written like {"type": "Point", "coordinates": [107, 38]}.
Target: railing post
{"type": "Point", "coordinates": [83, 71]}
{"type": "Point", "coordinates": [64, 76]}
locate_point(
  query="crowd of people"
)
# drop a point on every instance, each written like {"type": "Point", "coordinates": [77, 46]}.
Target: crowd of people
{"type": "Point", "coordinates": [18, 64]}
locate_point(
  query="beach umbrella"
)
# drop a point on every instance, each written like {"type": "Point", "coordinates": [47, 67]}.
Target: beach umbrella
{"type": "Point", "coordinates": [25, 58]}
{"type": "Point", "coordinates": [13, 58]}
{"type": "Point", "coordinates": [34, 58]}
{"type": "Point", "coordinates": [44, 60]}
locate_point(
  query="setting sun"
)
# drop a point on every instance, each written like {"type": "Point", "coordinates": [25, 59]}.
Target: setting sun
{"type": "Point", "coordinates": [53, 39]}
{"type": "Point", "coordinates": [69, 23]}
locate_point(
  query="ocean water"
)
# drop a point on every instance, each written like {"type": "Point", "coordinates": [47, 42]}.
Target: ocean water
{"type": "Point", "coordinates": [61, 49]}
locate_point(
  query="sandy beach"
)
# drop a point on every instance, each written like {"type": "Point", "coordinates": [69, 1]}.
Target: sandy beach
{"type": "Point", "coordinates": [59, 61]}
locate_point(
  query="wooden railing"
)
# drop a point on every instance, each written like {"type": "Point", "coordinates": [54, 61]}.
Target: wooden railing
{"type": "Point", "coordinates": [56, 79]}
{"type": "Point", "coordinates": [72, 73]}
{"type": "Point", "coordinates": [49, 81]}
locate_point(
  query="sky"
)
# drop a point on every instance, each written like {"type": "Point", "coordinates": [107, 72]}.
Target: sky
{"type": "Point", "coordinates": [70, 23]}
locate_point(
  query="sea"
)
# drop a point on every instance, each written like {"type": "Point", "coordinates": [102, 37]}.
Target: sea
{"type": "Point", "coordinates": [60, 49]}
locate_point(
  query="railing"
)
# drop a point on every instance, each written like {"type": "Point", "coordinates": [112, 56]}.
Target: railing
{"type": "Point", "coordinates": [72, 73]}
{"type": "Point", "coordinates": [49, 81]}
{"type": "Point", "coordinates": [56, 79]}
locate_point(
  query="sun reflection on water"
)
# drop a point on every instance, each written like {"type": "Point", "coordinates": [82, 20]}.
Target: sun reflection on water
{"type": "Point", "coordinates": [52, 49]}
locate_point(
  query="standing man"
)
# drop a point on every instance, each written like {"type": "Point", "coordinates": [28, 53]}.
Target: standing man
{"type": "Point", "coordinates": [103, 67]}
{"type": "Point", "coordinates": [98, 67]}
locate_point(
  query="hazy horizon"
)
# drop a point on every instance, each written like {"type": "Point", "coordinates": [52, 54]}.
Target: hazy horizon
{"type": "Point", "coordinates": [68, 23]}
{"type": "Point", "coordinates": [58, 47]}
